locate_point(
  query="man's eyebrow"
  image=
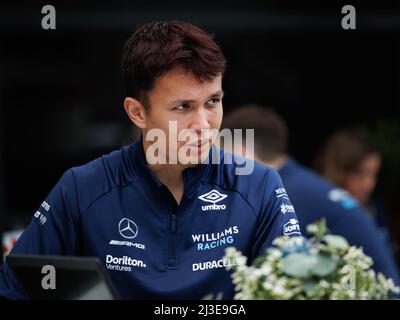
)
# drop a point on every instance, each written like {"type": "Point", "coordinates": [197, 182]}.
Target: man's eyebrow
{"type": "Point", "coordinates": [219, 93]}
{"type": "Point", "coordinates": [181, 101]}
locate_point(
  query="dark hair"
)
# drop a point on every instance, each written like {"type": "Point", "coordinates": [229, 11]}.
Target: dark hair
{"type": "Point", "coordinates": [157, 47]}
{"type": "Point", "coordinates": [270, 131]}
{"type": "Point", "coordinates": [343, 153]}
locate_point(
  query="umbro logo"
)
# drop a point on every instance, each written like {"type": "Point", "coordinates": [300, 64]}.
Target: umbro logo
{"type": "Point", "coordinates": [213, 197]}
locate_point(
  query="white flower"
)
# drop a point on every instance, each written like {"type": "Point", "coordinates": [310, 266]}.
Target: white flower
{"type": "Point", "coordinates": [265, 269]}
{"type": "Point", "coordinates": [240, 260]}
{"type": "Point", "coordinates": [324, 284]}
{"type": "Point", "coordinates": [275, 253]}
{"type": "Point", "coordinates": [231, 251]}
{"type": "Point", "coordinates": [267, 279]}
{"type": "Point", "coordinates": [267, 285]}
{"type": "Point", "coordinates": [312, 228]}
{"type": "Point", "coordinates": [278, 290]}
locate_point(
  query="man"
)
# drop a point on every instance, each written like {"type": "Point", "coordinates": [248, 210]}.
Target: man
{"type": "Point", "coordinates": [312, 196]}
{"type": "Point", "coordinates": [351, 160]}
{"type": "Point", "coordinates": [158, 223]}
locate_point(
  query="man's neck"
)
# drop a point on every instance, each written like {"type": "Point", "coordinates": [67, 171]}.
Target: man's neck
{"type": "Point", "coordinates": [171, 175]}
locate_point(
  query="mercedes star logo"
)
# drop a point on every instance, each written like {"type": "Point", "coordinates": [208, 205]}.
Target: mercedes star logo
{"type": "Point", "coordinates": [127, 228]}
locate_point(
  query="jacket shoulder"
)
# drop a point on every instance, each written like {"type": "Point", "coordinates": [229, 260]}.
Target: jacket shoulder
{"type": "Point", "coordinates": [100, 175]}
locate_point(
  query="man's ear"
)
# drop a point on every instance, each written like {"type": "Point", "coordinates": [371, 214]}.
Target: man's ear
{"type": "Point", "coordinates": [135, 111]}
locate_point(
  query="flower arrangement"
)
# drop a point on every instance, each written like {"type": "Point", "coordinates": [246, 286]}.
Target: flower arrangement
{"type": "Point", "coordinates": [321, 267]}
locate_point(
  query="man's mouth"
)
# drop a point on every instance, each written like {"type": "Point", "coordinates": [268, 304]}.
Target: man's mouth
{"type": "Point", "coordinates": [200, 145]}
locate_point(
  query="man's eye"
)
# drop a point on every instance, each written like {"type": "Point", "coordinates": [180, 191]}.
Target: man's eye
{"type": "Point", "coordinates": [213, 101]}
{"type": "Point", "coordinates": [182, 107]}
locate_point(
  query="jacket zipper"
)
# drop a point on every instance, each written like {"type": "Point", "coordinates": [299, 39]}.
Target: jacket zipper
{"type": "Point", "coordinates": [172, 247]}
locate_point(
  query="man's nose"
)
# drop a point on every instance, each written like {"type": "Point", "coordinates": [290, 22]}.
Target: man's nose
{"type": "Point", "coordinates": [200, 120]}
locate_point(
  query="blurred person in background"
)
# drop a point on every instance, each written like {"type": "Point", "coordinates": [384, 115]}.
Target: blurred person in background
{"type": "Point", "coordinates": [351, 160]}
{"type": "Point", "coordinates": [313, 196]}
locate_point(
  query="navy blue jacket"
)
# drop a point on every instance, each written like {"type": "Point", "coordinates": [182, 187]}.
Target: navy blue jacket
{"type": "Point", "coordinates": [116, 209]}
{"type": "Point", "coordinates": [314, 198]}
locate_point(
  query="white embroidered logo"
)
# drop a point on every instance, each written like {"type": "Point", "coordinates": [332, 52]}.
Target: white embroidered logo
{"type": "Point", "coordinates": [213, 196]}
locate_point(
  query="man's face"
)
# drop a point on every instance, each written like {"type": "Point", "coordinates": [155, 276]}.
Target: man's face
{"type": "Point", "coordinates": [361, 182]}
{"type": "Point", "coordinates": [179, 99]}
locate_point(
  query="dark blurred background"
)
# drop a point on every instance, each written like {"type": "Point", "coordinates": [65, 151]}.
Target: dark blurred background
{"type": "Point", "coordinates": [61, 90]}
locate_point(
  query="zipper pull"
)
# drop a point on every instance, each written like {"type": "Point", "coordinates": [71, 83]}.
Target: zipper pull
{"type": "Point", "coordinates": [173, 223]}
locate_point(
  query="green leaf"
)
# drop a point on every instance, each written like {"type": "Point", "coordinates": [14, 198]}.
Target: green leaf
{"type": "Point", "coordinates": [324, 266]}
{"type": "Point", "coordinates": [299, 264]}
{"type": "Point", "coordinates": [310, 287]}
{"type": "Point", "coordinates": [336, 242]}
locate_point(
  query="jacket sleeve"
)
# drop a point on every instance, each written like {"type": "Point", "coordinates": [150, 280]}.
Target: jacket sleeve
{"type": "Point", "coordinates": [277, 216]}
{"type": "Point", "coordinates": [54, 230]}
